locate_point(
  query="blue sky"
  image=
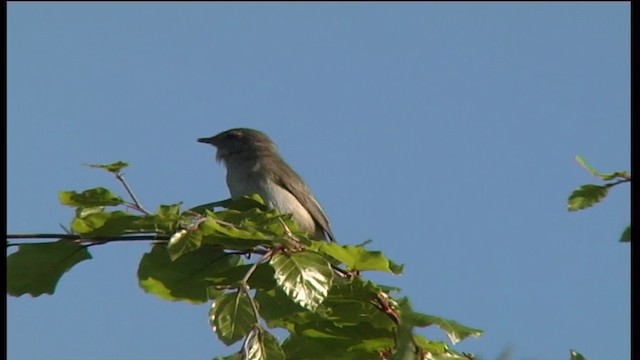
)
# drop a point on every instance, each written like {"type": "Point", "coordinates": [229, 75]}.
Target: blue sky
{"type": "Point", "coordinates": [444, 132]}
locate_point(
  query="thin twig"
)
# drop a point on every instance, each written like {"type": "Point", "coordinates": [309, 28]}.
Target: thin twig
{"type": "Point", "coordinates": [92, 240]}
{"type": "Point", "coordinates": [618, 182]}
{"type": "Point", "coordinates": [130, 192]}
{"type": "Point", "coordinates": [244, 285]}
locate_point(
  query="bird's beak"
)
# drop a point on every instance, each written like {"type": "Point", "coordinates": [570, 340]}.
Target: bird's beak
{"type": "Point", "coordinates": [208, 140]}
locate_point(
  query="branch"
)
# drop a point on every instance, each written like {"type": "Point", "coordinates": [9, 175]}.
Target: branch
{"type": "Point", "coordinates": [81, 239]}
{"type": "Point", "coordinates": [136, 203]}
{"type": "Point", "coordinates": [244, 285]}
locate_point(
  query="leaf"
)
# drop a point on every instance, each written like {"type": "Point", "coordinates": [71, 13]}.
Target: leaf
{"type": "Point", "coordinates": [586, 196]}
{"type": "Point", "coordinates": [437, 350]}
{"type": "Point", "coordinates": [186, 278]}
{"type": "Point", "coordinates": [35, 269]}
{"type": "Point", "coordinates": [305, 277]}
{"type": "Point", "coordinates": [261, 345]}
{"type": "Point", "coordinates": [576, 355]}
{"type": "Point", "coordinates": [183, 242]}
{"type": "Point", "coordinates": [609, 176]}
{"type": "Point", "coordinates": [454, 330]}
{"type": "Point", "coordinates": [261, 278]}
{"type": "Point", "coordinates": [114, 167]}
{"type": "Point", "coordinates": [216, 232]}
{"type": "Point", "coordinates": [351, 301]}
{"type": "Point", "coordinates": [343, 348]}
{"type": "Point", "coordinates": [235, 356]}
{"type": "Point", "coordinates": [114, 223]}
{"type": "Point", "coordinates": [231, 317]}
{"type": "Point", "coordinates": [89, 198]}
{"type": "Point", "coordinates": [358, 258]}
{"type": "Point", "coordinates": [626, 235]}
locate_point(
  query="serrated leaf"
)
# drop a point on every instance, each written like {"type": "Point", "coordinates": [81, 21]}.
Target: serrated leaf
{"type": "Point", "coordinates": [261, 345]}
{"type": "Point", "coordinates": [114, 167]}
{"type": "Point", "coordinates": [304, 276]}
{"type": "Point", "coordinates": [231, 317]}
{"type": "Point", "coordinates": [35, 269]}
{"type": "Point", "coordinates": [454, 330]}
{"type": "Point", "coordinates": [586, 196]}
{"type": "Point", "coordinates": [358, 258]}
{"type": "Point", "coordinates": [626, 235]}
{"type": "Point", "coordinates": [89, 198]}
{"type": "Point", "coordinates": [186, 278]}
{"type": "Point", "coordinates": [576, 355]}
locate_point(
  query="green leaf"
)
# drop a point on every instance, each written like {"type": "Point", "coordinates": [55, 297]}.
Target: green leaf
{"type": "Point", "coordinates": [626, 235]}
{"type": "Point", "coordinates": [608, 176]}
{"type": "Point", "coordinates": [350, 301]}
{"type": "Point", "coordinates": [305, 277]}
{"type": "Point", "coordinates": [235, 356]}
{"type": "Point", "coordinates": [35, 269]}
{"type": "Point", "coordinates": [454, 330]}
{"type": "Point", "coordinates": [89, 198]}
{"type": "Point", "coordinates": [232, 236]}
{"type": "Point", "coordinates": [344, 348]}
{"type": "Point", "coordinates": [576, 355]}
{"type": "Point", "coordinates": [183, 242]}
{"type": "Point", "coordinates": [261, 345]}
{"type": "Point", "coordinates": [586, 196]}
{"type": "Point", "coordinates": [261, 278]}
{"type": "Point", "coordinates": [114, 167]}
{"type": "Point", "coordinates": [358, 258]}
{"type": "Point", "coordinates": [231, 317]}
{"type": "Point", "coordinates": [245, 203]}
{"type": "Point", "coordinates": [114, 223]}
{"type": "Point", "coordinates": [186, 278]}
{"type": "Point", "coordinates": [437, 350]}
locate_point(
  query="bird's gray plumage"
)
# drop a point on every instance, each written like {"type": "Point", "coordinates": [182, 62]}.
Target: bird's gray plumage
{"type": "Point", "coordinates": [255, 166]}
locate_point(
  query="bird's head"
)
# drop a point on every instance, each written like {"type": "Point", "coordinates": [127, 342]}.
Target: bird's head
{"type": "Point", "coordinates": [240, 142]}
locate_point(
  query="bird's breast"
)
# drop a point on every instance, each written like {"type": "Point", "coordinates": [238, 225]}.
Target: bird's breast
{"type": "Point", "coordinates": [247, 181]}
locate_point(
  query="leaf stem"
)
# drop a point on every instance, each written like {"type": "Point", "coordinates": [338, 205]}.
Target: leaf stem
{"type": "Point", "coordinates": [136, 203]}
{"type": "Point", "coordinates": [244, 286]}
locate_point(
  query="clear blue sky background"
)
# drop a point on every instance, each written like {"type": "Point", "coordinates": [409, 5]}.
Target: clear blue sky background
{"type": "Point", "coordinates": [445, 132]}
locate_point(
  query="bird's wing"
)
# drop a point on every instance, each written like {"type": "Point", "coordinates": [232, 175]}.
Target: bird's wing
{"type": "Point", "coordinates": [297, 188]}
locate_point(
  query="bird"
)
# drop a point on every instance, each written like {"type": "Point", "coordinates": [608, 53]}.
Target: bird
{"type": "Point", "coordinates": [254, 166]}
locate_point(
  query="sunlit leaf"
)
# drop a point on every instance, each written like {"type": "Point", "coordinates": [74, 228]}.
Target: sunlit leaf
{"type": "Point", "coordinates": [114, 223]}
{"type": "Point", "coordinates": [89, 198]}
{"type": "Point", "coordinates": [231, 317]}
{"type": "Point", "coordinates": [576, 355]}
{"type": "Point", "coordinates": [35, 269]}
{"type": "Point", "coordinates": [114, 167]}
{"type": "Point", "coordinates": [358, 258]}
{"type": "Point", "coordinates": [454, 330]}
{"type": "Point", "coordinates": [261, 345]}
{"type": "Point", "coordinates": [586, 196]}
{"type": "Point", "coordinates": [305, 277]}
{"type": "Point", "coordinates": [185, 278]}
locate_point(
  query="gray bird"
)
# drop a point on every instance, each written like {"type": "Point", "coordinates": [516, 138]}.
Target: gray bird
{"type": "Point", "coordinates": [254, 166]}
